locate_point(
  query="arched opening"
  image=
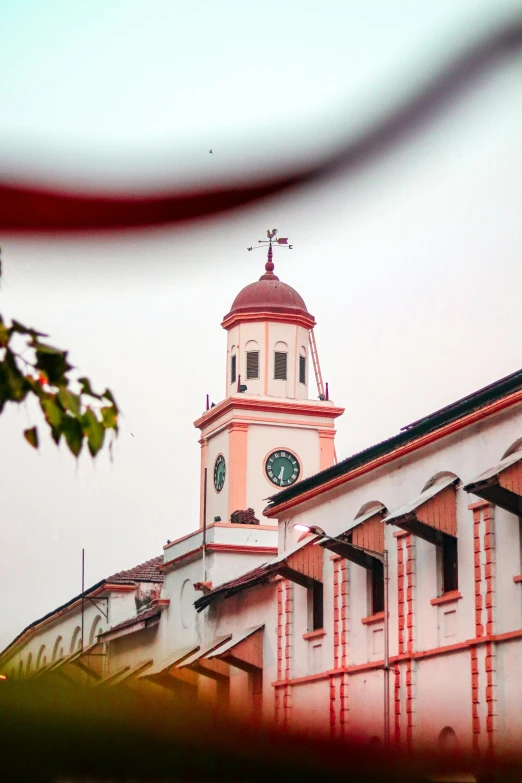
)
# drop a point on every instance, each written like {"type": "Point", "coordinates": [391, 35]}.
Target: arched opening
{"type": "Point", "coordinates": [516, 446]}
{"type": "Point", "coordinates": [440, 476]}
{"type": "Point", "coordinates": [76, 640]}
{"type": "Point", "coordinates": [233, 364]}
{"type": "Point", "coordinates": [20, 669]}
{"type": "Point", "coordinates": [302, 365]}
{"type": "Point", "coordinates": [372, 505]}
{"type": "Point", "coordinates": [41, 658]}
{"type": "Point", "coordinates": [448, 742]}
{"type": "Point", "coordinates": [95, 629]}
{"type": "Point", "coordinates": [280, 361]}
{"type": "Point", "coordinates": [29, 664]}
{"type": "Point", "coordinates": [252, 360]}
{"type": "Point", "coordinates": [58, 649]}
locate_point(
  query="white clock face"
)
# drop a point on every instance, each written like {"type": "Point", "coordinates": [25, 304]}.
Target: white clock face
{"type": "Point", "coordinates": [282, 468]}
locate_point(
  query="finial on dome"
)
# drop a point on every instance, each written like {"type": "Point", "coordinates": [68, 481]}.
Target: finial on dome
{"type": "Point", "coordinates": [269, 266]}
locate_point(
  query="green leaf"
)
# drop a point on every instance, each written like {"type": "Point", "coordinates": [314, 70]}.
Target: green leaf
{"type": "Point", "coordinates": [94, 430]}
{"type": "Point", "coordinates": [87, 389]}
{"type": "Point", "coordinates": [110, 418]}
{"type": "Point", "coordinates": [53, 412]}
{"type": "Point", "coordinates": [69, 401]}
{"type": "Point", "coordinates": [108, 395]}
{"type": "Point", "coordinates": [13, 385]}
{"type": "Point", "coordinates": [5, 335]}
{"type": "Point", "coordinates": [31, 437]}
{"type": "Point", "coordinates": [16, 326]}
{"type": "Point", "coordinates": [53, 363]}
{"type": "Point", "coordinates": [73, 433]}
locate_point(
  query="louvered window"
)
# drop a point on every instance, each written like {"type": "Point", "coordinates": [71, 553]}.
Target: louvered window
{"type": "Point", "coordinates": [233, 369]}
{"type": "Point", "coordinates": [252, 364]}
{"type": "Point", "coordinates": [302, 369]}
{"type": "Point", "coordinates": [280, 361]}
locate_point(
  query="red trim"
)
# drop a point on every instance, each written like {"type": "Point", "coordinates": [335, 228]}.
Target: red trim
{"type": "Point", "coordinates": [336, 611]}
{"type": "Point", "coordinates": [478, 504]}
{"type": "Point", "coordinates": [400, 533]}
{"type": "Point", "coordinates": [332, 707]}
{"type": "Point", "coordinates": [458, 647]}
{"type": "Point", "coordinates": [400, 595]}
{"type": "Point", "coordinates": [311, 635]}
{"type": "Point", "coordinates": [517, 578]}
{"type": "Point", "coordinates": [161, 602]}
{"type": "Point", "coordinates": [344, 612]}
{"type": "Point", "coordinates": [238, 548]}
{"type": "Point", "coordinates": [397, 702]}
{"type": "Point", "coordinates": [180, 559]}
{"type": "Point", "coordinates": [295, 408]}
{"type": "Point", "coordinates": [479, 628]}
{"type": "Point", "coordinates": [409, 704]}
{"type": "Point", "coordinates": [424, 440]}
{"type": "Point", "coordinates": [242, 549]}
{"type": "Point", "coordinates": [285, 315]}
{"type": "Point", "coordinates": [447, 598]}
{"type": "Point", "coordinates": [373, 618]}
{"type": "Point", "coordinates": [475, 715]}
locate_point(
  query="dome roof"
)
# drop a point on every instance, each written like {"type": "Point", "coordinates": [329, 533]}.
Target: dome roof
{"type": "Point", "coordinates": [269, 295]}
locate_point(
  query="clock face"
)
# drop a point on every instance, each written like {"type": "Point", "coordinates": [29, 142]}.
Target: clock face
{"type": "Point", "coordinates": [282, 468]}
{"type": "Point", "coordinates": [220, 470]}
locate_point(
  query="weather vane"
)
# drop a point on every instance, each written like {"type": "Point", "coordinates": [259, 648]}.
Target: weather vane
{"type": "Point", "coordinates": [272, 241]}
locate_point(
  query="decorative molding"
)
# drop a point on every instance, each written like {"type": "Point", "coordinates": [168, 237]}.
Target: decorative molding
{"type": "Point", "coordinates": [447, 598]}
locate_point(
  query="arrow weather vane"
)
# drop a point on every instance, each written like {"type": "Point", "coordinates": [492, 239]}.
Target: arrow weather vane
{"type": "Point", "coordinates": [272, 241]}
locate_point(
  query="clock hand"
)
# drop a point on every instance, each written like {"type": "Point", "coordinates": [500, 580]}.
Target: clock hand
{"type": "Point", "coordinates": [281, 474]}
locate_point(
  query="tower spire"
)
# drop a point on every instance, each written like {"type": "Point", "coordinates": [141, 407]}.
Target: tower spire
{"type": "Point", "coordinates": [272, 239]}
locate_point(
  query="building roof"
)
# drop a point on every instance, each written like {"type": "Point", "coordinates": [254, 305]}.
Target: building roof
{"type": "Point", "coordinates": [144, 617]}
{"type": "Point", "coordinates": [144, 572]}
{"type": "Point", "coordinates": [268, 295]}
{"type": "Point", "coordinates": [428, 424]}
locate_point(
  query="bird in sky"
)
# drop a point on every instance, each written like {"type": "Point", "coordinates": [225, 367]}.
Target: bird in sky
{"type": "Point", "coordinates": [210, 152]}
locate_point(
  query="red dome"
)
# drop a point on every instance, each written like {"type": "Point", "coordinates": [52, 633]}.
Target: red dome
{"type": "Point", "coordinates": [269, 295]}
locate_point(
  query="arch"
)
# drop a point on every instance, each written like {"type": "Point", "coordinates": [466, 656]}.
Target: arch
{"type": "Point", "coordinates": [448, 742]}
{"type": "Point", "coordinates": [281, 346]}
{"type": "Point", "coordinates": [41, 658]}
{"type": "Point", "coordinates": [58, 649]}
{"type": "Point", "coordinates": [367, 507]}
{"type": "Point", "coordinates": [302, 351]}
{"type": "Point", "coordinates": [516, 446]}
{"type": "Point", "coordinates": [252, 345]}
{"type": "Point", "coordinates": [29, 664]}
{"type": "Point", "coordinates": [95, 629]}
{"type": "Point", "coordinates": [76, 640]}
{"type": "Point", "coordinates": [443, 474]}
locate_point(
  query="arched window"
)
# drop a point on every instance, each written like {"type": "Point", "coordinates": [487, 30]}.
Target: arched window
{"type": "Point", "coordinates": [280, 361]}
{"type": "Point", "coordinates": [233, 364]}
{"type": "Point", "coordinates": [448, 742]}
{"type": "Point", "coordinates": [95, 629]}
{"type": "Point", "coordinates": [76, 640]}
{"type": "Point", "coordinates": [58, 649]}
{"type": "Point", "coordinates": [41, 658]}
{"type": "Point", "coordinates": [252, 360]}
{"type": "Point", "coordinates": [302, 365]}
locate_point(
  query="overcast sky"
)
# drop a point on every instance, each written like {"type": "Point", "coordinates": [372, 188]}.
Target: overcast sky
{"type": "Point", "coordinates": [412, 268]}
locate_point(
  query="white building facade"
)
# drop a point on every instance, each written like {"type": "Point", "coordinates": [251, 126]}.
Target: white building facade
{"type": "Point", "coordinates": [287, 624]}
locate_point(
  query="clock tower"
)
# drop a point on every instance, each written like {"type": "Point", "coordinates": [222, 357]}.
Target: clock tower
{"type": "Point", "coordinates": [269, 431]}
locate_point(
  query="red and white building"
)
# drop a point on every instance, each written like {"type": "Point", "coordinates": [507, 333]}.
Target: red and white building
{"type": "Point", "coordinates": [289, 625]}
